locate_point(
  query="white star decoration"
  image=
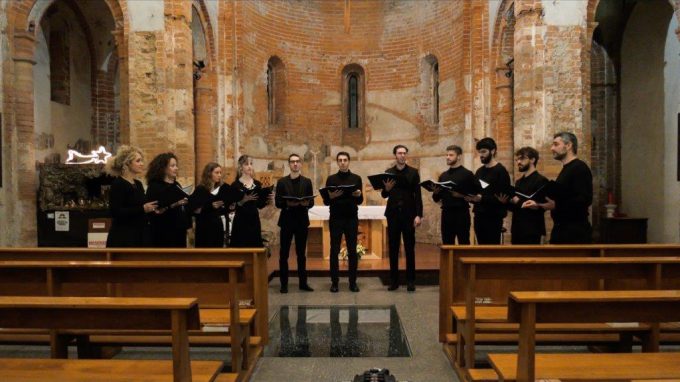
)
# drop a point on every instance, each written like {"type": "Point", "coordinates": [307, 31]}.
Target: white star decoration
{"type": "Point", "coordinates": [97, 156]}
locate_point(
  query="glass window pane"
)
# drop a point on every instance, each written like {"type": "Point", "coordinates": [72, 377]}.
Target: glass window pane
{"type": "Point", "coordinates": [353, 104]}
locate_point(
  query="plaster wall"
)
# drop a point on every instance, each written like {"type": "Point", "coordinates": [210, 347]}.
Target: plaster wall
{"type": "Point", "coordinates": [671, 206]}
{"type": "Point", "coordinates": [643, 102]}
{"type": "Point", "coordinates": [58, 125]}
{"type": "Point", "coordinates": [146, 15]}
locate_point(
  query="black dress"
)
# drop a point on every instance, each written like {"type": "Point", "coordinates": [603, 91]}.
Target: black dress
{"type": "Point", "coordinates": [129, 224]}
{"type": "Point", "coordinates": [168, 229]}
{"type": "Point", "coordinates": [246, 229]}
{"type": "Point", "coordinates": [209, 227]}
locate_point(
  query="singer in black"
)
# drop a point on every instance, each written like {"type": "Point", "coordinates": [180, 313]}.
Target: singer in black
{"type": "Point", "coordinates": [573, 195]}
{"type": "Point", "coordinates": [455, 221]}
{"type": "Point", "coordinates": [404, 212]}
{"type": "Point", "coordinates": [344, 218]}
{"type": "Point", "coordinates": [294, 221]}
{"type": "Point", "coordinates": [246, 230]}
{"type": "Point", "coordinates": [210, 213]}
{"type": "Point", "coordinates": [129, 211]}
{"type": "Point", "coordinates": [528, 219]}
{"type": "Point", "coordinates": [494, 180]}
{"type": "Point", "coordinates": [170, 222]}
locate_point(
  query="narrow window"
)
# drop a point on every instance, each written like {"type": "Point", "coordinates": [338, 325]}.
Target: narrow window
{"type": "Point", "coordinates": [271, 106]}
{"type": "Point", "coordinates": [435, 93]}
{"type": "Point", "coordinates": [353, 104]}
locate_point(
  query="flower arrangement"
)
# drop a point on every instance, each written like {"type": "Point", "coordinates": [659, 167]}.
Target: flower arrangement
{"type": "Point", "coordinates": [361, 250]}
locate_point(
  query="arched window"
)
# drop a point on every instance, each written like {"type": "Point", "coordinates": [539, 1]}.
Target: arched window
{"type": "Point", "coordinates": [353, 96]}
{"type": "Point", "coordinates": [353, 104]}
{"type": "Point", "coordinates": [60, 63]}
{"type": "Point", "coordinates": [435, 93]}
{"type": "Point", "coordinates": [429, 78]}
{"type": "Point", "coordinates": [271, 107]}
{"type": "Point", "coordinates": [275, 91]}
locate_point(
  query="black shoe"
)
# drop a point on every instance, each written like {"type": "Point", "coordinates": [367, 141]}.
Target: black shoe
{"type": "Point", "coordinates": [306, 288]}
{"type": "Point", "coordinates": [354, 288]}
{"type": "Point", "coordinates": [284, 289]}
{"type": "Point", "coordinates": [393, 287]}
{"type": "Point", "coordinates": [334, 288]}
{"type": "Point", "coordinates": [411, 287]}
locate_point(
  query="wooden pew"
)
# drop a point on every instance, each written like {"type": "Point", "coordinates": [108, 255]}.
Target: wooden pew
{"type": "Point", "coordinates": [531, 308]}
{"type": "Point", "coordinates": [176, 315]}
{"type": "Point", "coordinates": [254, 287]}
{"type": "Point", "coordinates": [451, 292]}
{"type": "Point", "coordinates": [143, 279]}
{"type": "Point", "coordinates": [593, 273]}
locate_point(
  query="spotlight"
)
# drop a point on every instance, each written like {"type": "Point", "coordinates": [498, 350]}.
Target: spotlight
{"type": "Point", "coordinates": [198, 66]}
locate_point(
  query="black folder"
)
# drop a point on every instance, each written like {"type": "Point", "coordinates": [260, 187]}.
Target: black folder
{"type": "Point", "coordinates": [347, 190]}
{"type": "Point", "coordinates": [299, 198]}
{"type": "Point", "coordinates": [172, 194]}
{"type": "Point", "coordinates": [378, 179]}
{"type": "Point", "coordinates": [430, 185]}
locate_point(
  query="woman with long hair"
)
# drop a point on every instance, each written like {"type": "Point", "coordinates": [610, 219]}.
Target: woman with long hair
{"type": "Point", "coordinates": [170, 222]}
{"type": "Point", "coordinates": [246, 229]}
{"type": "Point", "coordinates": [209, 211]}
{"type": "Point", "coordinates": [129, 209]}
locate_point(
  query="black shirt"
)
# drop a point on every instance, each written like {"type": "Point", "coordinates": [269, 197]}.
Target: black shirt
{"type": "Point", "coordinates": [344, 207]}
{"type": "Point", "coordinates": [298, 215]}
{"type": "Point", "coordinates": [404, 199]}
{"type": "Point", "coordinates": [499, 181]}
{"type": "Point", "coordinates": [576, 193]}
{"type": "Point", "coordinates": [464, 178]}
{"type": "Point", "coordinates": [129, 224]}
{"type": "Point", "coordinates": [526, 221]}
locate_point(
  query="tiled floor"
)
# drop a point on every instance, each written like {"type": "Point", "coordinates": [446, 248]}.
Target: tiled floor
{"type": "Point", "coordinates": [418, 316]}
{"type": "Point", "coordinates": [337, 331]}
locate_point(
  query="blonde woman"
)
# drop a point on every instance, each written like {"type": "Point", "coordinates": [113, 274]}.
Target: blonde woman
{"type": "Point", "coordinates": [246, 230]}
{"type": "Point", "coordinates": [129, 225]}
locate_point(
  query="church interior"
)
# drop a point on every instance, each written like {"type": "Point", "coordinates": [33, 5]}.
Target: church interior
{"type": "Point", "coordinates": [212, 80]}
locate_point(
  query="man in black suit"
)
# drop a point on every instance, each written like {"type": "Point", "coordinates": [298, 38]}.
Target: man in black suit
{"type": "Point", "coordinates": [294, 220]}
{"type": "Point", "coordinates": [344, 218]}
{"type": "Point", "coordinates": [404, 212]}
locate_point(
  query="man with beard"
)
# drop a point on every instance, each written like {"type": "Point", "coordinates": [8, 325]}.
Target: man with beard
{"type": "Point", "coordinates": [494, 180]}
{"type": "Point", "coordinates": [344, 218]}
{"type": "Point", "coordinates": [574, 194]}
{"type": "Point", "coordinates": [455, 221]}
{"type": "Point", "coordinates": [528, 223]}
{"type": "Point", "coordinates": [404, 212]}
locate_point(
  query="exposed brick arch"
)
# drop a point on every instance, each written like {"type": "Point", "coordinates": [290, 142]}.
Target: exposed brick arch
{"type": "Point", "coordinates": [208, 31]}
{"type": "Point", "coordinates": [22, 18]}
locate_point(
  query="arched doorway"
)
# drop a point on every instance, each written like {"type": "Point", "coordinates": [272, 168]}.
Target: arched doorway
{"type": "Point", "coordinates": [634, 100]}
{"type": "Point", "coordinates": [24, 28]}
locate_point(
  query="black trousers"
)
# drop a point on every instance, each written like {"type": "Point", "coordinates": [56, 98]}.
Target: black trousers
{"type": "Point", "coordinates": [350, 228]}
{"type": "Point", "coordinates": [572, 233]}
{"type": "Point", "coordinates": [526, 239]}
{"type": "Point", "coordinates": [455, 224]}
{"type": "Point", "coordinates": [398, 226]}
{"type": "Point", "coordinates": [488, 229]}
{"type": "Point", "coordinates": [287, 234]}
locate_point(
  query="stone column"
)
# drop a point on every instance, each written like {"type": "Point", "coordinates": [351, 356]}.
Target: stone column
{"type": "Point", "coordinates": [179, 103]}
{"type": "Point", "coordinates": [21, 176]}
{"type": "Point", "coordinates": [206, 139]}
{"type": "Point", "coordinates": [529, 106]}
